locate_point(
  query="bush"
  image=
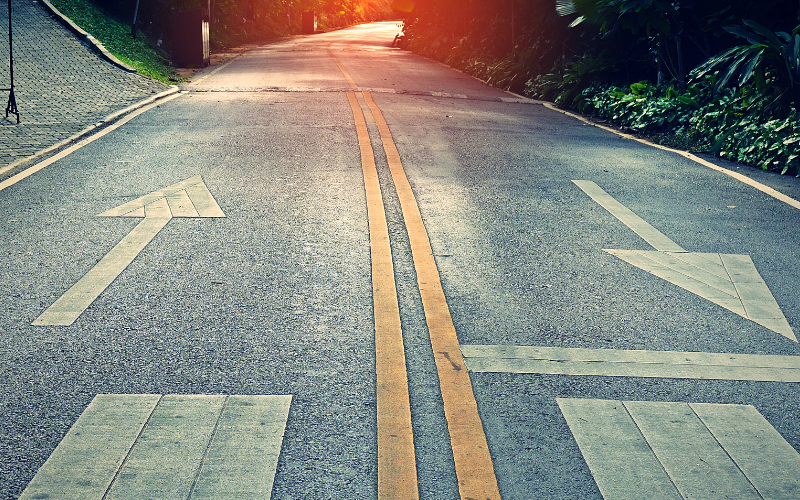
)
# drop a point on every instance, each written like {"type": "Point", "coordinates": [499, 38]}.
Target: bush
{"type": "Point", "coordinates": [740, 125]}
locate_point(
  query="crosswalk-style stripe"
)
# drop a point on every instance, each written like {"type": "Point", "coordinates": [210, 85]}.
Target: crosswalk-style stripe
{"type": "Point", "coordinates": [631, 363]}
{"type": "Point", "coordinates": [135, 446]}
{"type": "Point", "coordinates": [676, 451]}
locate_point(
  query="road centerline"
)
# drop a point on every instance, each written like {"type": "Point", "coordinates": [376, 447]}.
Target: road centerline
{"type": "Point", "coordinates": [397, 472]}
{"type": "Point", "coordinates": [473, 462]}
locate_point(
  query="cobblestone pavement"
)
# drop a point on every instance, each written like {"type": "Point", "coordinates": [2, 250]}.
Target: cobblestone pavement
{"type": "Point", "coordinates": [61, 85]}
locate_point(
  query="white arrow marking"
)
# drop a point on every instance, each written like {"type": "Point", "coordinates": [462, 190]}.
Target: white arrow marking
{"type": "Point", "coordinates": [189, 198]}
{"type": "Point", "coordinates": [730, 281]}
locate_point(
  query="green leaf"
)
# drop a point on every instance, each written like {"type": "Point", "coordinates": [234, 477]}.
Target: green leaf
{"type": "Point", "coordinates": [766, 33]}
{"type": "Point", "coordinates": [747, 68]}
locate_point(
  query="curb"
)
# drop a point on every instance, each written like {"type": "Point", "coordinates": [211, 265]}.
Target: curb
{"type": "Point", "coordinates": [90, 129]}
{"type": "Point", "coordinates": [87, 38]}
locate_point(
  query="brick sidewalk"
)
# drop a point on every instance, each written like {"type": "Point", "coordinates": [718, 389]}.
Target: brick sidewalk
{"type": "Point", "coordinates": [61, 85]}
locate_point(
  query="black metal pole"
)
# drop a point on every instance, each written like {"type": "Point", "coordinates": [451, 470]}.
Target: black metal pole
{"type": "Point", "coordinates": [133, 25]}
{"type": "Point", "coordinates": [11, 107]}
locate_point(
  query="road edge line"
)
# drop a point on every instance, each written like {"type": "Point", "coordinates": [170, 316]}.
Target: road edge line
{"type": "Point", "coordinates": [86, 136]}
{"type": "Point", "coordinates": [689, 156]}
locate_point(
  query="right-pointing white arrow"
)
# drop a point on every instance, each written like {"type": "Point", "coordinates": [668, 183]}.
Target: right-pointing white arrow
{"type": "Point", "coordinates": [730, 281]}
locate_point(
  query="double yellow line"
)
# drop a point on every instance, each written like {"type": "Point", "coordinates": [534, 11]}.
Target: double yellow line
{"type": "Point", "coordinates": [397, 474]}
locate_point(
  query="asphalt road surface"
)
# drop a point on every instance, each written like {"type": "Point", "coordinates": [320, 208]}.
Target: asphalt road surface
{"type": "Point", "coordinates": [342, 271]}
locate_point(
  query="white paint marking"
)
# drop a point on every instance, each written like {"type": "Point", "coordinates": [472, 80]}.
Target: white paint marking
{"type": "Point", "coordinates": [631, 363]}
{"type": "Point", "coordinates": [71, 305]}
{"type": "Point", "coordinates": [621, 461]}
{"type": "Point", "coordinates": [86, 461]}
{"type": "Point", "coordinates": [730, 281]}
{"type": "Point", "coordinates": [705, 450]}
{"type": "Point", "coordinates": [176, 446]}
{"type": "Point", "coordinates": [695, 461]}
{"type": "Point", "coordinates": [768, 461]}
{"type": "Point", "coordinates": [638, 225]}
{"type": "Point", "coordinates": [189, 198]}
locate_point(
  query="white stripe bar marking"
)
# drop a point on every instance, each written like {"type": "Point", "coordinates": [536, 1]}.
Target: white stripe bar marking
{"type": "Point", "coordinates": [622, 463]}
{"type": "Point", "coordinates": [175, 446]}
{"type": "Point", "coordinates": [638, 225]}
{"type": "Point", "coordinates": [654, 450]}
{"type": "Point", "coordinates": [631, 363]}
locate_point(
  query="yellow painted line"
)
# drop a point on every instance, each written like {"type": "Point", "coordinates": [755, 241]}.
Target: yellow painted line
{"type": "Point", "coordinates": [473, 462]}
{"type": "Point", "coordinates": [739, 177]}
{"type": "Point", "coordinates": [343, 70]}
{"type": "Point", "coordinates": [397, 471]}
{"type": "Point", "coordinates": [474, 466]}
{"type": "Point", "coordinates": [46, 163]}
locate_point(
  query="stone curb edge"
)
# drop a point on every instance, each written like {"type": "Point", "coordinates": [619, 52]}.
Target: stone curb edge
{"type": "Point", "coordinates": [86, 37]}
{"type": "Point", "coordinates": [686, 154]}
{"type": "Point", "coordinates": [88, 130]}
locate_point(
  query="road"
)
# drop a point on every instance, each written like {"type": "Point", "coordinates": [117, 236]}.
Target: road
{"type": "Point", "coordinates": [332, 269]}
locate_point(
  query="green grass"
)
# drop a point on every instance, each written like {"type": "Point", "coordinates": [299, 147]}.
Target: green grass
{"type": "Point", "coordinates": [116, 37]}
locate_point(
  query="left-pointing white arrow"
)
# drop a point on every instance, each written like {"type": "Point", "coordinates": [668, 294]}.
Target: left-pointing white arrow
{"type": "Point", "coordinates": [189, 198]}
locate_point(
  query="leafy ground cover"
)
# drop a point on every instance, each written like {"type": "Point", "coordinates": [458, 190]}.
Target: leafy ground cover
{"type": "Point", "coordinates": [719, 76]}
{"type": "Point", "coordinates": [116, 37]}
{"type": "Point", "coordinates": [735, 124]}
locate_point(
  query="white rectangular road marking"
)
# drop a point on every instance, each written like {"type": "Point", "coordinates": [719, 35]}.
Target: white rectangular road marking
{"type": "Point", "coordinates": [86, 461]}
{"type": "Point", "coordinates": [706, 450]}
{"type": "Point", "coordinates": [631, 363]}
{"type": "Point", "coordinates": [638, 225]}
{"type": "Point", "coordinates": [243, 456]}
{"type": "Point", "coordinates": [175, 446]}
{"type": "Point", "coordinates": [768, 461]}
{"type": "Point", "coordinates": [165, 459]}
{"type": "Point", "coordinates": [694, 460]}
{"type": "Point", "coordinates": [619, 458]}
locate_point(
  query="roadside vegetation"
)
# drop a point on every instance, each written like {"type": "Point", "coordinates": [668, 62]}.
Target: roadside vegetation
{"type": "Point", "coordinates": [148, 59]}
{"type": "Point", "coordinates": [710, 76]}
{"type": "Point", "coordinates": [234, 22]}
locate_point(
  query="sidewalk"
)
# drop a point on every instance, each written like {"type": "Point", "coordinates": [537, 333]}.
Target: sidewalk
{"type": "Point", "coordinates": [61, 85]}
